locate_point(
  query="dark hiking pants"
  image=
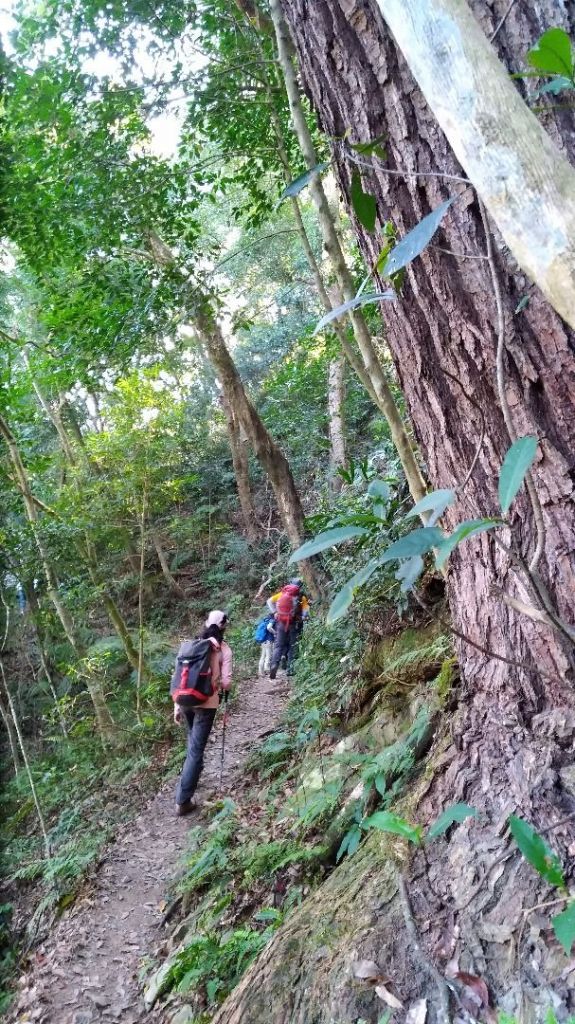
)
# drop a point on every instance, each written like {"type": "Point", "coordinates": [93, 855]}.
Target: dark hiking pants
{"type": "Point", "coordinates": [199, 721]}
{"type": "Point", "coordinates": [284, 646]}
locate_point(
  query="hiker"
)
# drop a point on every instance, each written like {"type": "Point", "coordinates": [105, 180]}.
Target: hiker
{"type": "Point", "coordinates": [203, 670]}
{"type": "Point", "coordinates": [265, 635]}
{"type": "Point", "coordinates": [290, 607]}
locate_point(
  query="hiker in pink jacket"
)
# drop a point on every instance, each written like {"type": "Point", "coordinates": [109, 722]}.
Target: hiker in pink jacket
{"type": "Point", "coordinates": [200, 720]}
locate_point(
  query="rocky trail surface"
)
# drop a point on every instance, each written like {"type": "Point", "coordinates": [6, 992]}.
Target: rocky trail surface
{"type": "Point", "coordinates": [90, 967]}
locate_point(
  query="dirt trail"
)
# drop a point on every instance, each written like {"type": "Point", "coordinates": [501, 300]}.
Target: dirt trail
{"type": "Point", "coordinates": [88, 969]}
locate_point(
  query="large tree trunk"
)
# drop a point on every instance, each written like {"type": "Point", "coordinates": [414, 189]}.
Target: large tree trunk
{"type": "Point", "coordinates": [272, 459]}
{"type": "Point", "coordinates": [514, 727]}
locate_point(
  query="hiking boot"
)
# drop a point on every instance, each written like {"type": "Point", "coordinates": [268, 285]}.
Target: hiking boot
{"type": "Point", "coordinates": [273, 672]}
{"type": "Point", "coordinates": [186, 808]}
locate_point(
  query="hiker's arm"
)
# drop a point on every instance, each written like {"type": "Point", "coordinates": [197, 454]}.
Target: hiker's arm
{"type": "Point", "coordinates": [226, 670]}
{"type": "Point", "coordinates": [178, 716]}
{"type": "Point", "coordinates": [271, 602]}
{"type": "Point", "coordinates": [304, 607]}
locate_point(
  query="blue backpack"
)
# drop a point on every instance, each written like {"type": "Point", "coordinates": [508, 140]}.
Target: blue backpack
{"type": "Point", "coordinates": [261, 631]}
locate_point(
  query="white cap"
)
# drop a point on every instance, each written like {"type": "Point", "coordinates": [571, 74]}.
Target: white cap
{"type": "Point", "coordinates": [216, 618]}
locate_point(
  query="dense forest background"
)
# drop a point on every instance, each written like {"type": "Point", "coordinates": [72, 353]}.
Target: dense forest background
{"type": "Point", "coordinates": [263, 306]}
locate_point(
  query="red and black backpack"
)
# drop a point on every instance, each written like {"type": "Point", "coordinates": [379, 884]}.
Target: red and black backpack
{"type": "Point", "coordinates": [288, 605]}
{"type": "Point", "coordinates": [191, 683]}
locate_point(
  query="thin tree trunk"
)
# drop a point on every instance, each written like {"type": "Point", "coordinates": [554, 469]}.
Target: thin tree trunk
{"type": "Point", "coordinates": [241, 471]}
{"type": "Point", "coordinates": [337, 325]}
{"type": "Point", "coordinates": [335, 403]}
{"type": "Point", "coordinates": [385, 399]}
{"type": "Point", "coordinates": [105, 722]}
{"type": "Point", "coordinates": [114, 614]}
{"type": "Point", "coordinates": [10, 732]}
{"type": "Point", "coordinates": [35, 617]}
{"type": "Point", "coordinates": [4, 688]}
{"type": "Point", "coordinates": [173, 583]}
{"type": "Point", "coordinates": [265, 449]}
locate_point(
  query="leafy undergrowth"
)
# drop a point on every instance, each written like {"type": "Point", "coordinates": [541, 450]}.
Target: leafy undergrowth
{"type": "Point", "coordinates": [305, 795]}
{"type": "Point", "coordinates": [85, 793]}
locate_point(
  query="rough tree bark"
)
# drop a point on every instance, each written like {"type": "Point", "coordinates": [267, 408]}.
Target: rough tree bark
{"type": "Point", "coordinates": [335, 400]}
{"type": "Point", "coordinates": [513, 730]}
{"type": "Point", "coordinates": [241, 471]}
{"type": "Point", "coordinates": [525, 182]}
{"type": "Point", "coordinates": [264, 447]}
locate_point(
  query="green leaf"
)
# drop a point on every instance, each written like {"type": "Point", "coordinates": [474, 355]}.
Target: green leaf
{"type": "Point", "coordinates": [523, 302]}
{"type": "Point", "coordinates": [515, 466]}
{"type": "Point", "coordinates": [379, 489]}
{"type": "Point", "coordinates": [467, 529]}
{"type": "Point", "coordinates": [299, 183]}
{"type": "Point", "coordinates": [364, 204]}
{"type": "Point", "coordinates": [564, 927]}
{"type": "Point", "coordinates": [436, 501]}
{"type": "Point", "coordinates": [535, 850]}
{"type": "Point", "coordinates": [380, 784]}
{"type": "Point", "coordinates": [385, 821]}
{"type": "Point", "coordinates": [458, 812]}
{"type": "Point", "coordinates": [555, 86]}
{"type": "Point", "coordinates": [552, 53]}
{"type": "Point", "coordinates": [349, 843]}
{"type": "Point", "coordinates": [327, 539]}
{"type": "Point", "coordinates": [367, 148]}
{"type": "Point", "coordinates": [415, 241]}
{"type": "Point", "coordinates": [344, 598]}
{"type": "Point", "coordinates": [409, 572]}
{"type": "Point", "coordinates": [418, 542]}
{"type": "Point", "coordinates": [358, 300]}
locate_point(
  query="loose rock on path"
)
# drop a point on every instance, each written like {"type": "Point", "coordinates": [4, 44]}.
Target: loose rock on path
{"type": "Point", "coordinates": [89, 970]}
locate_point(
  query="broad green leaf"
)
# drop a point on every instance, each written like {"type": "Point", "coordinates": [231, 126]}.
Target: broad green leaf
{"type": "Point", "coordinates": [299, 183]}
{"type": "Point", "coordinates": [436, 501]}
{"type": "Point", "coordinates": [379, 489]}
{"type": "Point", "coordinates": [515, 466]}
{"type": "Point", "coordinates": [327, 539]}
{"type": "Point", "coordinates": [564, 927]}
{"type": "Point", "coordinates": [364, 204]}
{"type": "Point", "coordinates": [458, 812]}
{"type": "Point", "coordinates": [358, 300]}
{"type": "Point", "coordinates": [418, 542]}
{"type": "Point", "coordinates": [535, 850]}
{"type": "Point", "coordinates": [552, 53]}
{"type": "Point", "coordinates": [344, 598]}
{"type": "Point", "coordinates": [385, 821]}
{"type": "Point", "coordinates": [467, 529]}
{"type": "Point", "coordinates": [409, 572]}
{"type": "Point", "coordinates": [349, 843]}
{"type": "Point", "coordinates": [415, 241]}
{"type": "Point", "coordinates": [380, 783]}
{"type": "Point", "coordinates": [367, 148]}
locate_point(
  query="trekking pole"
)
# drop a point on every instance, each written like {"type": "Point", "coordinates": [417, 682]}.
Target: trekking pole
{"type": "Point", "coordinates": [224, 723]}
